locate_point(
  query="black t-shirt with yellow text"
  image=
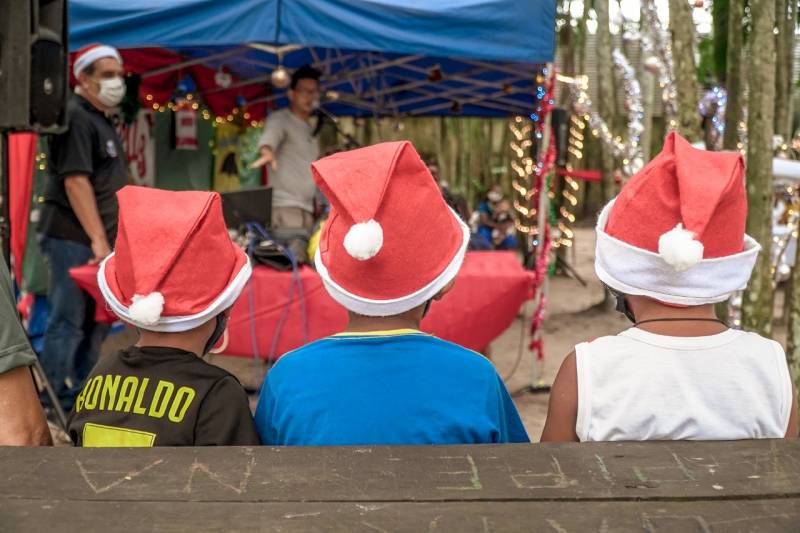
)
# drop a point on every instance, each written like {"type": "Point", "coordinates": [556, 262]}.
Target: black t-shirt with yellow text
{"type": "Point", "coordinates": [152, 396]}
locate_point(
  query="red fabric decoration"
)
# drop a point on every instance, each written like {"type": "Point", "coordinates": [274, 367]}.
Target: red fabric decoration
{"type": "Point", "coordinates": [161, 87]}
{"type": "Point", "coordinates": [489, 290]}
{"type": "Point", "coordinates": [21, 160]}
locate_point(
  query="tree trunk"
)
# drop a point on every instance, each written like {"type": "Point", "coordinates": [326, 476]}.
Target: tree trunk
{"type": "Point", "coordinates": [784, 44]}
{"type": "Point", "coordinates": [648, 87]}
{"type": "Point", "coordinates": [719, 12]}
{"type": "Point", "coordinates": [793, 342]}
{"type": "Point", "coordinates": [682, 30]}
{"type": "Point", "coordinates": [605, 93]}
{"type": "Point", "coordinates": [757, 304]}
{"type": "Point", "coordinates": [734, 82]}
{"type": "Point", "coordinates": [789, 59]}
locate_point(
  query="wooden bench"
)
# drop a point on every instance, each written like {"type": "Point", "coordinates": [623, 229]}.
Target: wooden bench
{"type": "Point", "coordinates": [668, 486]}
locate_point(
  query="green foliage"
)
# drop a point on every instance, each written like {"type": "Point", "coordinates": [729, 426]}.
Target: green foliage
{"type": "Point", "coordinates": [705, 67]}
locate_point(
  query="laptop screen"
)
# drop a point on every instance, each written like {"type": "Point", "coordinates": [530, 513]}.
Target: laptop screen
{"type": "Point", "coordinates": [248, 205]}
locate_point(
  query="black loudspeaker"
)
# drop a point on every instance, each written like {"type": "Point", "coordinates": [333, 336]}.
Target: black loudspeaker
{"type": "Point", "coordinates": [560, 123]}
{"type": "Point", "coordinates": [33, 65]}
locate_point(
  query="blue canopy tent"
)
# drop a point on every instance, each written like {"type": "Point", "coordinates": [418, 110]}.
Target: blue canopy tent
{"type": "Point", "coordinates": [378, 57]}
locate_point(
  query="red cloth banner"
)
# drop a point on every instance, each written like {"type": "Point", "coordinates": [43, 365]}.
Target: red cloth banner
{"type": "Point", "coordinates": [21, 158]}
{"type": "Point", "coordinates": [489, 291]}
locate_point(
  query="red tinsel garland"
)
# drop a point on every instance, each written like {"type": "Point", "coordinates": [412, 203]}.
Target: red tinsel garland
{"type": "Point", "coordinates": [543, 258]}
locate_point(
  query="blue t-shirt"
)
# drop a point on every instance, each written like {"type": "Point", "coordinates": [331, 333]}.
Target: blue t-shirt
{"type": "Point", "coordinates": [398, 387]}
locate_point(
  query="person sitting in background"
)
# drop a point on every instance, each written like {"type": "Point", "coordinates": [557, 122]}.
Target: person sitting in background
{"type": "Point", "coordinates": [174, 274]}
{"type": "Point", "coordinates": [504, 234]}
{"type": "Point", "coordinates": [382, 381]}
{"type": "Point", "coordinates": [496, 221]}
{"type": "Point", "coordinates": [22, 421]}
{"type": "Point", "coordinates": [669, 247]}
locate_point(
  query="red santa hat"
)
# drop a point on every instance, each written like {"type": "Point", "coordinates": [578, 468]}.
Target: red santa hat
{"type": "Point", "coordinates": [676, 232]}
{"type": "Point", "coordinates": [91, 53]}
{"type": "Point", "coordinates": [391, 243]}
{"type": "Point", "coordinates": [174, 266]}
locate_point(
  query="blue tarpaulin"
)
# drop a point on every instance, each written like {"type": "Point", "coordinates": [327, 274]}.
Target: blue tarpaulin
{"type": "Point", "coordinates": [401, 57]}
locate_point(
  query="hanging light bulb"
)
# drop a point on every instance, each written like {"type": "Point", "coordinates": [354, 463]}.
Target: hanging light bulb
{"type": "Point", "coordinates": [280, 78]}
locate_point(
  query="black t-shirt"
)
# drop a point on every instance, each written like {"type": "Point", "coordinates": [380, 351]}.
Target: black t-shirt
{"type": "Point", "coordinates": [154, 396]}
{"type": "Point", "coordinates": [90, 146]}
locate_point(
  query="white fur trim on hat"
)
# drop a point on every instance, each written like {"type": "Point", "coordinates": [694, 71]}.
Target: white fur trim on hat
{"type": "Point", "coordinates": [370, 307]}
{"type": "Point", "coordinates": [637, 271]}
{"type": "Point", "coordinates": [364, 240]}
{"type": "Point", "coordinates": [147, 309]}
{"type": "Point", "coordinates": [679, 248]}
{"type": "Point", "coordinates": [172, 324]}
{"type": "Point", "coordinates": [93, 54]}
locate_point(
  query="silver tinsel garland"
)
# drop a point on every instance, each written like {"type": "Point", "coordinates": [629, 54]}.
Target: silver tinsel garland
{"type": "Point", "coordinates": [658, 51]}
{"type": "Point", "coordinates": [628, 150]}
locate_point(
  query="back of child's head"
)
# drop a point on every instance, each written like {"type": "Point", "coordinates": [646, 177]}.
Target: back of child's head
{"type": "Point", "coordinates": [391, 243]}
{"type": "Point", "coordinates": [174, 266]}
{"type": "Point", "coordinates": [675, 233]}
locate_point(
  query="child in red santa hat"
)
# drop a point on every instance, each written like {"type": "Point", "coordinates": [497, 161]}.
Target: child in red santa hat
{"type": "Point", "coordinates": [390, 247]}
{"type": "Point", "coordinates": [174, 274]}
{"type": "Point", "coordinates": [669, 247]}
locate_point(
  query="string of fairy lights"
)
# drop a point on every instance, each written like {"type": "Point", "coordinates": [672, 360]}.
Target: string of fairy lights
{"type": "Point", "coordinates": [189, 101]}
{"type": "Point", "coordinates": [522, 166]}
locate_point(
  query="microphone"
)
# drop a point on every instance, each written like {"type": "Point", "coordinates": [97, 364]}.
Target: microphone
{"type": "Point", "coordinates": [321, 111]}
{"type": "Point", "coordinates": [323, 114]}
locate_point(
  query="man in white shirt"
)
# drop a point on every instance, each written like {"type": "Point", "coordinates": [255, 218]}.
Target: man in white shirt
{"type": "Point", "coordinates": [289, 146]}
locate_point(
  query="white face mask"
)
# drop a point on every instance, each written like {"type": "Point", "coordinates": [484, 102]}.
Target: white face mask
{"type": "Point", "coordinates": [495, 196]}
{"type": "Point", "coordinates": [112, 91]}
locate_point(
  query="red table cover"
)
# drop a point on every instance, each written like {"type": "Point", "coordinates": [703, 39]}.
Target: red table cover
{"type": "Point", "coordinates": [489, 290]}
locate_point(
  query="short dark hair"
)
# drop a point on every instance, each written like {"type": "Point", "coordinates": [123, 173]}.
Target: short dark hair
{"type": "Point", "coordinates": [88, 69]}
{"type": "Point", "coordinates": [306, 72]}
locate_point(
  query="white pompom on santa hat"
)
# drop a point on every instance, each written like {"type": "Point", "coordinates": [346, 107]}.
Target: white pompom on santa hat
{"type": "Point", "coordinates": [174, 266]}
{"type": "Point", "coordinates": [676, 231]}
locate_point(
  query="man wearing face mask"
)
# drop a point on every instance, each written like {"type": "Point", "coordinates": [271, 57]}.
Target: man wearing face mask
{"type": "Point", "coordinates": [78, 222]}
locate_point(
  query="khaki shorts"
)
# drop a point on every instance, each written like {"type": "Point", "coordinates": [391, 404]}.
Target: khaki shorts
{"type": "Point", "coordinates": [292, 218]}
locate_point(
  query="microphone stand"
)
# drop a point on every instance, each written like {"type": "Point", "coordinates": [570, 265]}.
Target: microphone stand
{"type": "Point", "coordinates": [351, 142]}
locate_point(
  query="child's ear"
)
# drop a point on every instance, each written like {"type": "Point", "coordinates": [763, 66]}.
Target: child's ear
{"type": "Point", "coordinates": [447, 288]}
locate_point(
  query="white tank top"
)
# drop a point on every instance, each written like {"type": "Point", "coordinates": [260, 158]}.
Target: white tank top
{"type": "Point", "coordinates": [642, 386]}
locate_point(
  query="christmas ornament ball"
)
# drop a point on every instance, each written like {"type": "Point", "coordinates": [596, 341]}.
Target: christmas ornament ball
{"type": "Point", "coordinates": [280, 78]}
{"type": "Point", "coordinates": [652, 64]}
